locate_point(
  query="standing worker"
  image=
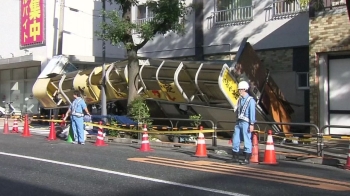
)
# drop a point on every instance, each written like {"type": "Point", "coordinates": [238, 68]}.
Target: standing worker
{"type": "Point", "coordinates": [245, 123]}
{"type": "Point", "coordinates": [77, 118]}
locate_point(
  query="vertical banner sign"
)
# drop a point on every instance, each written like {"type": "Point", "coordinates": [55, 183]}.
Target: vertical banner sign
{"type": "Point", "coordinates": [32, 25]}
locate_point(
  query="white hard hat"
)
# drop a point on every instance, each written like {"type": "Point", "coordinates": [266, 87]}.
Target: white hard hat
{"type": "Point", "coordinates": [243, 85]}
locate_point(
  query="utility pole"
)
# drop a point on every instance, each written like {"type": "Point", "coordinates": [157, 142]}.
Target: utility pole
{"type": "Point", "coordinates": [59, 44]}
{"type": "Point", "coordinates": [103, 85]}
{"type": "Point", "coordinates": [60, 28]}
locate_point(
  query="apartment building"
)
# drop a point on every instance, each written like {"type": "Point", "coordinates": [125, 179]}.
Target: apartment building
{"type": "Point", "coordinates": [29, 39]}
{"type": "Point", "coordinates": [330, 65]}
{"type": "Point", "coordinates": [278, 32]}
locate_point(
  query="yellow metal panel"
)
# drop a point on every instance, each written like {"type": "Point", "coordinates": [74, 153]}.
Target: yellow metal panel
{"type": "Point", "coordinates": [156, 94]}
{"type": "Point", "coordinates": [229, 86]}
{"type": "Point", "coordinates": [81, 83]}
{"type": "Point", "coordinates": [172, 92]}
{"type": "Point", "coordinates": [116, 86]}
{"type": "Point", "coordinates": [43, 90]}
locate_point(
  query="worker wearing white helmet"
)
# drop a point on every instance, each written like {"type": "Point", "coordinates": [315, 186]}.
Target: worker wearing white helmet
{"type": "Point", "coordinates": [245, 123]}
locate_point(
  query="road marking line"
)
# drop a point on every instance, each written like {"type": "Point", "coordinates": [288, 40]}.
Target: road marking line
{"type": "Point", "coordinates": [124, 174]}
{"type": "Point", "coordinates": [249, 172]}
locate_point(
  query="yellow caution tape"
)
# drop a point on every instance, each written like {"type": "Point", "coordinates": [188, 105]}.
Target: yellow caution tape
{"type": "Point", "coordinates": [287, 135]}
{"type": "Point", "coordinates": [156, 132]}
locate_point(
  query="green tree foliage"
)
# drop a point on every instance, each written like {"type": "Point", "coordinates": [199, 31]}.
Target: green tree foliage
{"type": "Point", "coordinates": [167, 15]}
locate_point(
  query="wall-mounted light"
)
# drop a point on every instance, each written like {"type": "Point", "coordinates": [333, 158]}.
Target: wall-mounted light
{"type": "Point", "coordinates": [12, 54]}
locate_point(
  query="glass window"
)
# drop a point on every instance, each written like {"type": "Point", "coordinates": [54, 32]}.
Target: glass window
{"type": "Point", "coordinates": [233, 11]}
{"type": "Point", "coordinates": [69, 67]}
{"type": "Point", "coordinates": [303, 80]}
{"type": "Point", "coordinates": [30, 104]}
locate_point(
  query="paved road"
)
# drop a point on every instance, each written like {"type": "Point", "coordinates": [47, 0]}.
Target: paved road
{"type": "Point", "coordinates": [34, 166]}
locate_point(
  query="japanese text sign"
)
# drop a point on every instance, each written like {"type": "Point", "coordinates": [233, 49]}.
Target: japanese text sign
{"type": "Point", "coordinates": [228, 86]}
{"type": "Point", "coordinates": [32, 23]}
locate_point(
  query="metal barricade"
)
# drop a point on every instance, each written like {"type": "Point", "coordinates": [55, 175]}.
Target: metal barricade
{"type": "Point", "coordinates": [188, 120]}
{"type": "Point", "coordinates": [319, 136]}
{"type": "Point", "coordinates": [329, 132]}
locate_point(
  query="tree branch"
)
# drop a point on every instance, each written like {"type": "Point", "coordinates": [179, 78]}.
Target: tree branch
{"type": "Point", "coordinates": [143, 43]}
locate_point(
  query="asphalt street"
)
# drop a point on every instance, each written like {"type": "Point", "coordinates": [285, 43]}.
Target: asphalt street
{"type": "Point", "coordinates": [35, 166]}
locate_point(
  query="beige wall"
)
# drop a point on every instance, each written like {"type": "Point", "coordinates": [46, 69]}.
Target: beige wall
{"type": "Point", "coordinates": [329, 32]}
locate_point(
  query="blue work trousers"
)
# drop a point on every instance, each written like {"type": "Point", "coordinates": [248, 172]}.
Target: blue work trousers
{"type": "Point", "coordinates": [242, 131]}
{"type": "Point", "coordinates": [78, 129]}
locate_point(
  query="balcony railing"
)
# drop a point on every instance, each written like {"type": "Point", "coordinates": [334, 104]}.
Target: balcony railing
{"type": "Point", "coordinates": [242, 14]}
{"type": "Point", "coordinates": [142, 21]}
{"type": "Point", "coordinates": [282, 8]}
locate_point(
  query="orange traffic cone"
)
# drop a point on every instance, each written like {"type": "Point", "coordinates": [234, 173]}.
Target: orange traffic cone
{"type": "Point", "coordinates": [347, 165]}
{"type": "Point", "coordinates": [99, 139]}
{"type": "Point", "coordinates": [15, 126]}
{"type": "Point", "coordinates": [201, 150]}
{"type": "Point", "coordinates": [6, 127]}
{"type": "Point", "coordinates": [270, 154]}
{"type": "Point", "coordinates": [255, 151]}
{"type": "Point", "coordinates": [145, 146]}
{"type": "Point", "coordinates": [230, 142]}
{"type": "Point", "coordinates": [26, 132]}
{"type": "Point", "coordinates": [52, 134]}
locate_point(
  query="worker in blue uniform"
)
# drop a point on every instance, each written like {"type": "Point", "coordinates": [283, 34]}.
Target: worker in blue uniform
{"type": "Point", "coordinates": [244, 124]}
{"type": "Point", "coordinates": [77, 118]}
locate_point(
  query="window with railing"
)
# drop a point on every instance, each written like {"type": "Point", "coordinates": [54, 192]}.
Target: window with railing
{"type": "Point", "coordinates": [143, 14]}
{"type": "Point", "coordinates": [281, 7]}
{"type": "Point", "coordinates": [231, 11]}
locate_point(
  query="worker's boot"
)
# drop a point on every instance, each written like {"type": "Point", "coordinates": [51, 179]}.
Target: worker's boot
{"type": "Point", "coordinates": [246, 160]}
{"type": "Point", "coordinates": [235, 157]}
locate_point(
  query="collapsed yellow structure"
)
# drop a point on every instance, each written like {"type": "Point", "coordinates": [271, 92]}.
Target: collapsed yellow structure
{"type": "Point", "coordinates": [202, 85]}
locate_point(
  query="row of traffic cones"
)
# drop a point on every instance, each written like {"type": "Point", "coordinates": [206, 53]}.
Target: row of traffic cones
{"type": "Point", "coordinates": [25, 133]}
{"type": "Point", "coordinates": [201, 149]}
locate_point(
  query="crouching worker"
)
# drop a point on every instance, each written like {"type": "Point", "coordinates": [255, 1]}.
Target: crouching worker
{"type": "Point", "coordinates": [245, 123]}
{"type": "Point", "coordinates": [77, 121]}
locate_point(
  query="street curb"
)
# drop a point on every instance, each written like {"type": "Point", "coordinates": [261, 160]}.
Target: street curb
{"type": "Point", "coordinates": [306, 158]}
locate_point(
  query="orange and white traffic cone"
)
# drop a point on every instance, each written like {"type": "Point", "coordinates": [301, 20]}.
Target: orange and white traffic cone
{"type": "Point", "coordinates": [15, 126]}
{"type": "Point", "coordinates": [52, 134]}
{"type": "Point", "coordinates": [270, 154]}
{"type": "Point", "coordinates": [347, 165]}
{"type": "Point", "coordinates": [201, 150]}
{"type": "Point", "coordinates": [145, 146]}
{"type": "Point", "coordinates": [100, 139]}
{"type": "Point", "coordinates": [26, 132]}
{"type": "Point", "coordinates": [6, 127]}
{"type": "Point", "coordinates": [255, 150]}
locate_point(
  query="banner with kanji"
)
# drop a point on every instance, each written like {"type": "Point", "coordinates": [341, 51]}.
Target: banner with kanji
{"type": "Point", "coordinates": [32, 25]}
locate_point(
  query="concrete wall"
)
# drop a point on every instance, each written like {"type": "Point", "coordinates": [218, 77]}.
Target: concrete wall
{"type": "Point", "coordinates": [329, 32]}
{"type": "Point", "coordinates": [264, 32]}
{"type": "Point", "coordinates": [170, 44]}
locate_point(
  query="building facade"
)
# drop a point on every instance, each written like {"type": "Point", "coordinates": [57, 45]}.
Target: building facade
{"type": "Point", "coordinates": [330, 66]}
{"type": "Point", "coordinates": [278, 32]}
{"type": "Point", "coordinates": [30, 37]}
